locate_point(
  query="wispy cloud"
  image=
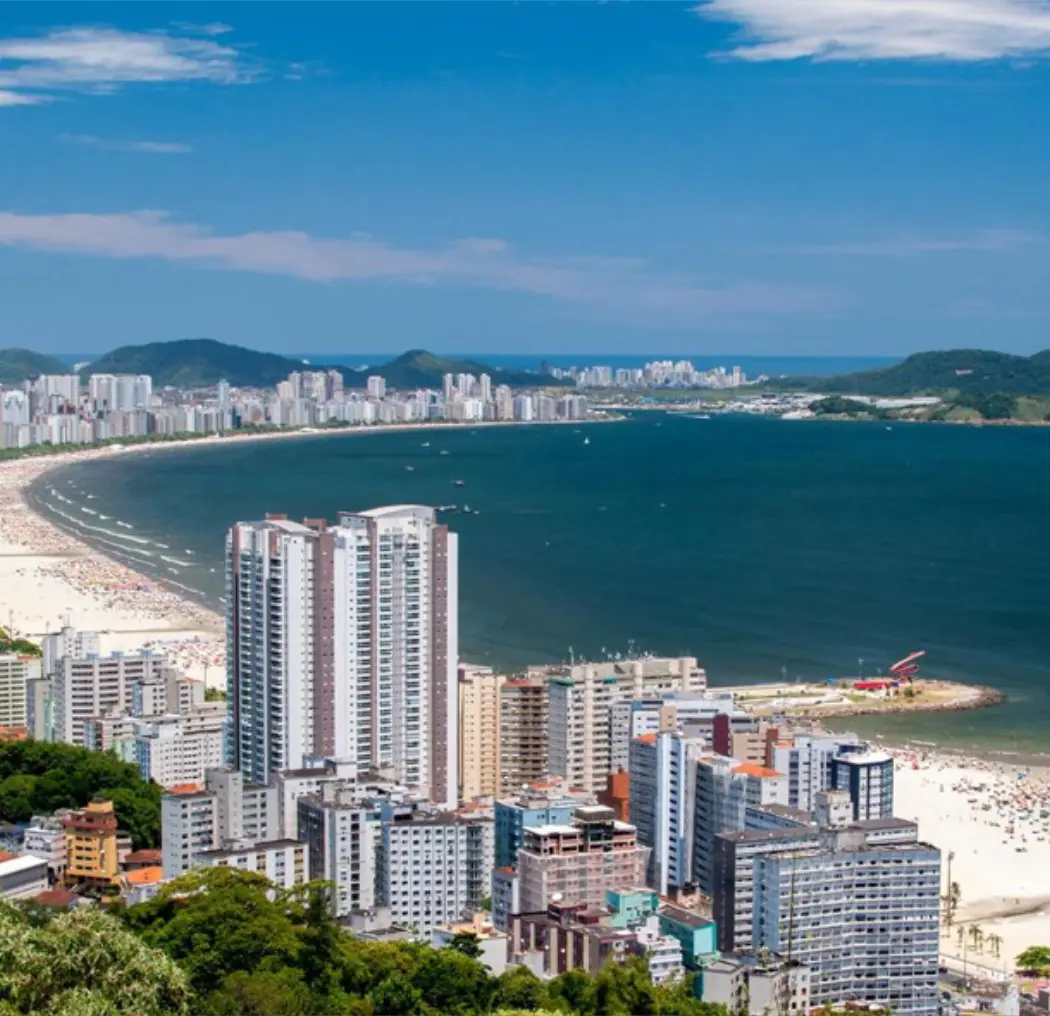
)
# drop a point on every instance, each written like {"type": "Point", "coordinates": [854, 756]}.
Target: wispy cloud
{"type": "Point", "coordinates": [102, 60]}
{"type": "Point", "coordinates": [109, 145]}
{"type": "Point", "coordinates": [960, 30]}
{"type": "Point", "coordinates": [620, 287]}
{"type": "Point", "coordinates": [908, 246]}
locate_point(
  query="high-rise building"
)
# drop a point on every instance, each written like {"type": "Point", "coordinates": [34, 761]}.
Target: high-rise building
{"type": "Point", "coordinates": [67, 642]}
{"type": "Point", "coordinates": [15, 673]}
{"type": "Point", "coordinates": [343, 643]}
{"type": "Point", "coordinates": [376, 386]}
{"type": "Point", "coordinates": [342, 834]}
{"type": "Point", "coordinates": [868, 776]}
{"type": "Point", "coordinates": [662, 787]}
{"type": "Point", "coordinates": [806, 761]}
{"type": "Point", "coordinates": [581, 701]}
{"type": "Point", "coordinates": [524, 721]}
{"type": "Point", "coordinates": [579, 862]}
{"type": "Point", "coordinates": [863, 917]}
{"type": "Point", "coordinates": [479, 732]}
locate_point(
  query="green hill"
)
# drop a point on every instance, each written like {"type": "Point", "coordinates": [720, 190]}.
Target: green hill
{"type": "Point", "coordinates": [419, 369]}
{"type": "Point", "coordinates": [196, 363]}
{"type": "Point", "coordinates": [963, 372]}
{"type": "Point", "coordinates": [18, 364]}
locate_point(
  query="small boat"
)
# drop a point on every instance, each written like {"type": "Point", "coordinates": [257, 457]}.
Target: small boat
{"type": "Point", "coordinates": [410, 469]}
{"type": "Point", "coordinates": [586, 440]}
{"type": "Point", "coordinates": [425, 444]}
{"type": "Point", "coordinates": [467, 510]}
{"type": "Point", "coordinates": [459, 483]}
{"type": "Point", "coordinates": [444, 451]}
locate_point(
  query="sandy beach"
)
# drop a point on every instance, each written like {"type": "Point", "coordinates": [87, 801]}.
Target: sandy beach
{"type": "Point", "coordinates": [995, 818]}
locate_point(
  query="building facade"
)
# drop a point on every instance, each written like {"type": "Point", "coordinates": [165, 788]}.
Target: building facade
{"type": "Point", "coordinates": [479, 732]}
{"type": "Point", "coordinates": [524, 746]}
{"type": "Point", "coordinates": [581, 703]}
{"type": "Point", "coordinates": [343, 642]}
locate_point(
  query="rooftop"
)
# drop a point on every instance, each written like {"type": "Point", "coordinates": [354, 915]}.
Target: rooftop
{"type": "Point", "coordinates": [681, 915]}
{"type": "Point", "coordinates": [753, 769]}
{"type": "Point", "coordinates": [144, 876]}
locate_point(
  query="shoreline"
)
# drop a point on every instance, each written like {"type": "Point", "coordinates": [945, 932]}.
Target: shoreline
{"type": "Point", "coordinates": [49, 575]}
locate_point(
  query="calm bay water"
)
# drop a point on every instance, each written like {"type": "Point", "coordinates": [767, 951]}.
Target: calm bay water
{"type": "Point", "coordinates": [763, 547]}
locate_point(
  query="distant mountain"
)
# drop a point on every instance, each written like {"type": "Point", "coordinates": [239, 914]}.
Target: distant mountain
{"type": "Point", "coordinates": [196, 363]}
{"type": "Point", "coordinates": [18, 364]}
{"type": "Point", "coordinates": [966, 372]}
{"type": "Point", "coordinates": [202, 363]}
{"type": "Point", "coordinates": [419, 369]}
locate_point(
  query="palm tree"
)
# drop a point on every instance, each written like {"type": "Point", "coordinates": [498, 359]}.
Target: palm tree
{"type": "Point", "coordinates": [975, 935]}
{"type": "Point", "coordinates": [960, 934]}
{"type": "Point", "coordinates": [995, 941]}
{"type": "Point", "coordinates": [951, 901]}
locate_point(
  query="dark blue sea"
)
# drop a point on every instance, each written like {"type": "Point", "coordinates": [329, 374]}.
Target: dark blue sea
{"type": "Point", "coordinates": [767, 548]}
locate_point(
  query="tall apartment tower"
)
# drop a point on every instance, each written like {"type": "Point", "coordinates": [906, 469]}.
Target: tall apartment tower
{"type": "Point", "coordinates": [581, 705]}
{"type": "Point", "coordinates": [479, 732]}
{"type": "Point", "coordinates": [524, 725]}
{"type": "Point", "coordinates": [343, 643]}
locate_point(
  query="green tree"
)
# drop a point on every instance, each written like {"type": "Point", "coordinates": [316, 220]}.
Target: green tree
{"type": "Point", "coordinates": [83, 963]}
{"type": "Point", "coordinates": [572, 992]}
{"type": "Point", "coordinates": [215, 922]}
{"type": "Point", "coordinates": [467, 943]}
{"type": "Point", "coordinates": [395, 996]}
{"type": "Point", "coordinates": [453, 983]}
{"type": "Point", "coordinates": [519, 988]}
{"type": "Point", "coordinates": [1035, 957]}
{"type": "Point", "coordinates": [263, 993]}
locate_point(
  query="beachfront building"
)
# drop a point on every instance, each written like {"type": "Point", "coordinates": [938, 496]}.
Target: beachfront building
{"type": "Point", "coordinates": [580, 861]}
{"type": "Point", "coordinates": [16, 671]}
{"type": "Point", "coordinates": [479, 732]}
{"type": "Point", "coordinates": [662, 788]}
{"type": "Point", "coordinates": [692, 712]}
{"type": "Point", "coordinates": [868, 777]}
{"type": "Point", "coordinates": [581, 701]}
{"type": "Point", "coordinates": [343, 642]}
{"type": "Point", "coordinates": [545, 802]}
{"type": "Point", "coordinates": [806, 761]}
{"type": "Point", "coordinates": [524, 722]}
{"type": "Point", "coordinates": [68, 641]}
{"type": "Point", "coordinates": [83, 688]}
{"type": "Point", "coordinates": [863, 917]}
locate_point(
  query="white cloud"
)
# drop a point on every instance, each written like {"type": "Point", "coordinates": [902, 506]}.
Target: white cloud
{"type": "Point", "coordinates": [986, 240]}
{"type": "Point", "coordinates": [102, 60]}
{"type": "Point", "coordinates": [622, 288]}
{"type": "Point", "coordinates": [154, 147]}
{"type": "Point", "coordinates": [962, 30]}
{"type": "Point", "coordinates": [21, 99]}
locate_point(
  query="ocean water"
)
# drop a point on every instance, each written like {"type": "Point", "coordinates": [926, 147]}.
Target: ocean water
{"type": "Point", "coordinates": [766, 548]}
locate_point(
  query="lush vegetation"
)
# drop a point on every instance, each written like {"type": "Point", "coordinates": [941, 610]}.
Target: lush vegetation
{"type": "Point", "coordinates": [960, 372]}
{"type": "Point", "coordinates": [23, 647]}
{"type": "Point", "coordinates": [1036, 958]}
{"type": "Point", "coordinates": [201, 363]}
{"type": "Point", "coordinates": [38, 778]}
{"type": "Point", "coordinates": [837, 405]}
{"type": "Point", "coordinates": [245, 948]}
{"type": "Point", "coordinates": [18, 364]}
{"type": "Point", "coordinates": [83, 963]}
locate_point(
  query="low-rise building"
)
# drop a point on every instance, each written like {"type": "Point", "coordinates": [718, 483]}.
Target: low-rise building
{"type": "Point", "coordinates": [758, 984]}
{"type": "Point", "coordinates": [22, 876]}
{"type": "Point", "coordinates": [92, 848]}
{"type": "Point", "coordinates": [283, 862]}
{"type": "Point", "coordinates": [45, 837]}
{"type": "Point", "coordinates": [696, 934]}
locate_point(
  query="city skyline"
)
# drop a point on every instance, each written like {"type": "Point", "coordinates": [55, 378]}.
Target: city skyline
{"type": "Point", "coordinates": [688, 178]}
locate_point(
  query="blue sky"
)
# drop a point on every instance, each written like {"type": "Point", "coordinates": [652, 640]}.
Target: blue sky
{"type": "Point", "coordinates": [754, 176]}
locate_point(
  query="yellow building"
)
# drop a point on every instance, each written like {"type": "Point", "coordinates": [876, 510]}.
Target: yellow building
{"type": "Point", "coordinates": [479, 732]}
{"type": "Point", "coordinates": [91, 845]}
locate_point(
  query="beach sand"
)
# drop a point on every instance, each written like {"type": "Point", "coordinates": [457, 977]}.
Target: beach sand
{"type": "Point", "coordinates": [995, 818]}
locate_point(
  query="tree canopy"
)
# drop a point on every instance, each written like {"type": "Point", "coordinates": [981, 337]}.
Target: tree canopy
{"type": "Point", "coordinates": [37, 777]}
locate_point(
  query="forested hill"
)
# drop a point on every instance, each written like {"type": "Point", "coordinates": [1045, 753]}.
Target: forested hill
{"type": "Point", "coordinates": [966, 372]}
{"type": "Point", "coordinates": [202, 363]}
{"type": "Point", "coordinates": [18, 364]}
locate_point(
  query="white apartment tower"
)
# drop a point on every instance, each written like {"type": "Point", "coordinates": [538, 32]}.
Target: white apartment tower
{"type": "Point", "coordinates": [343, 643]}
